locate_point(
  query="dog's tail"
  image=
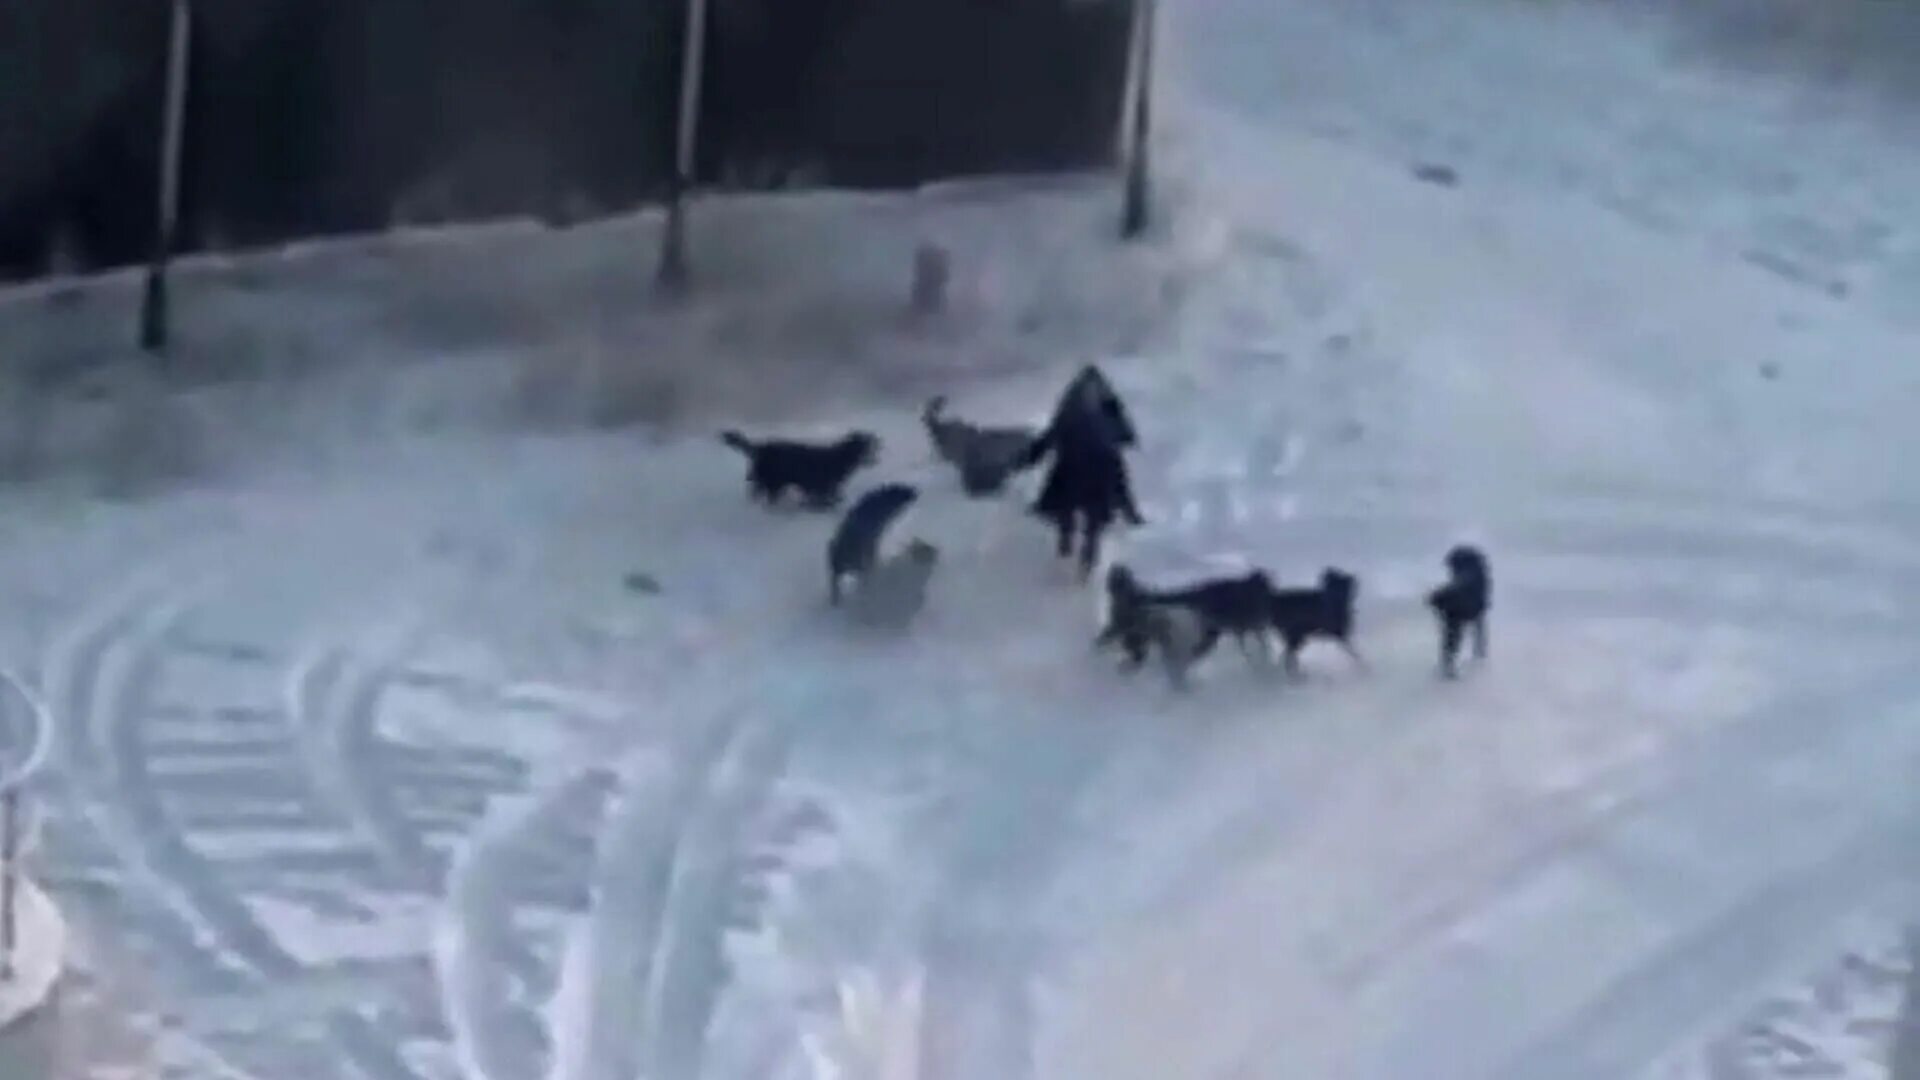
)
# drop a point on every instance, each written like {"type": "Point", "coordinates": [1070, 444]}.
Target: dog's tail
{"type": "Point", "coordinates": [738, 442]}
{"type": "Point", "coordinates": [936, 406]}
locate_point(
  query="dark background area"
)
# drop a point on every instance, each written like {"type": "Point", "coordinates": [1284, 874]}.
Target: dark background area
{"type": "Point", "coordinates": [318, 117]}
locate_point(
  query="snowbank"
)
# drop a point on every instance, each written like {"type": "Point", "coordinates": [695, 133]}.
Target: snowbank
{"type": "Point", "coordinates": [800, 301]}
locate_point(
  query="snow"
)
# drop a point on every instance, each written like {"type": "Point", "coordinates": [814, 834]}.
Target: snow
{"type": "Point", "coordinates": [38, 957]}
{"type": "Point", "coordinates": [1841, 1021]}
{"type": "Point", "coordinates": [391, 776]}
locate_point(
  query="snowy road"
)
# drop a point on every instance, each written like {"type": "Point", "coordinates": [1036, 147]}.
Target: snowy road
{"type": "Point", "coordinates": [376, 771]}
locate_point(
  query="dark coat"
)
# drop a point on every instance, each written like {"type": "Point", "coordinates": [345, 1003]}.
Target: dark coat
{"type": "Point", "coordinates": [1086, 438]}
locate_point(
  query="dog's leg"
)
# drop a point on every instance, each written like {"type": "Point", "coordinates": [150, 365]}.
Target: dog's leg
{"type": "Point", "coordinates": [1063, 534]}
{"type": "Point", "coordinates": [1291, 657]}
{"type": "Point", "coordinates": [1359, 662]}
{"type": "Point", "coordinates": [1176, 669]}
{"type": "Point", "coordinates": [1133, 646]}
{"type": "Point", "coordinates": [1209, 637]}
{"type": "Point", "coordinates": [1253, 647]}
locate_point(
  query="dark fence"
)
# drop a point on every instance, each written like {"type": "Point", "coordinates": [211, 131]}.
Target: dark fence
{"type": "Point", "coordinates": [317, 117]}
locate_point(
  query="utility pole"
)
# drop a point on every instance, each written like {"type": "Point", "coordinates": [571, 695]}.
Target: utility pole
{"type": "Point", "coordinates": [674, 276]}
{"type": "Point", "coordinates": [1135, 211]}
{"type": "Point", "coordinates": [173, 124]}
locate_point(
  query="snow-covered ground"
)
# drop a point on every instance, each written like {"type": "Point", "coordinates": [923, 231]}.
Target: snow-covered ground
{"type": "Point", "coordinates": [369, 765]}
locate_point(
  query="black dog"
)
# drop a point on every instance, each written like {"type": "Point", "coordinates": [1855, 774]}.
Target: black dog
{"type": "Point", "coordinates": [985, 456]}
{"type": "Point", "coordinates": [1241, 606]}
{"type": "Point", "coordinates": [817, 471]}
{"type": "Point", "coordinates": [1142, 624]}
{"type": "Point", "coordinates": [1462, 604]}
{"type": "Point", "coordinates": [1087, 487]}
{"type": "Point", "coordinates": [856, 542]}
{"type": "Point", "coordinates": [1300, 615]}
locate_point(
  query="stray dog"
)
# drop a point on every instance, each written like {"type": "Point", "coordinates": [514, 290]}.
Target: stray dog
{"type": "Point", "coordinates": [985, 456]}
{"type": "Point", "coordinates": [1241, 606]}
{"type": "Point", "coordinates": [1141, 624]}
{"type": "Point", "coordinates": [894, 591]}
{"type": "Point", "coordinates": [818, 471]}
{"type": "Point", "coordinates": [1462, 604]}
{"type": "Point", "coordinates": [1300, 615]}
{"type": "Point", "coordinates": [856, 542]}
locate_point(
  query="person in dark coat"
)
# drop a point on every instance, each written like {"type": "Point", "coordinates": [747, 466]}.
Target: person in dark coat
{"type": "Point", "coordinates": [1087, 486]}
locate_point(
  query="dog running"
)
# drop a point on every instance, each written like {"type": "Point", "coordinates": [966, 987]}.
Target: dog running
{"type": "Point", "coordinates": [818, 471]}
{"type": "Point", "coordinates": [1141, 624]}
{"type": "Point", "coordinates": [1325, 611]}
{"type": "Point", "coordinates": [1240, 606]}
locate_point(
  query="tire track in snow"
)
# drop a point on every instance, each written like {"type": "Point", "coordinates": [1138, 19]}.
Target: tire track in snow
{"type": "Point", "coordinates": [1697, 984]}
{"type": "Point", "coordinates": [611, 950]}
{"type": "Point", "coordinates": [1835, 842]}
{"type": "Point", "coordinates": [688, 969]}
{"type": "Point", "coordinates": [70, 670]}
{"type": "Point", "coordinates": [104, 674]}
{"type": "Point", "coordinates": [333, 696]}
{"type": "Point", "coordinates": [487, 974]}
{"type": "Point", "coordinates": [1803, 545]}
{"type": "Point", "coordinates": [1583, 814]}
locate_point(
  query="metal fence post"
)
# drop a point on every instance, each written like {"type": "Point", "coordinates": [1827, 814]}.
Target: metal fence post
{"type": "Point", "coordinates": [1136, 211]}
{"type": "Point", "coordinates": [673, 245]}
{"type": "Point", "coordinates": [173, 121]}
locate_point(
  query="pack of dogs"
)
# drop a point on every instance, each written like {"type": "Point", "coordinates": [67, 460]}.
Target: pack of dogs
{"type": "Point", "coordinates": [1086, 491]}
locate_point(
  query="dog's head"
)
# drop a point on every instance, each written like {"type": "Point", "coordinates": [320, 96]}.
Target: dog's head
{"type": "Point", "coordinates": [1339, 586]}
{"type": "Point", "coordinates": [921, 552]}
{"type": "Point", "coordinates": [863, 447]}
{"type": "Point", "coordinates": [1121, 582]}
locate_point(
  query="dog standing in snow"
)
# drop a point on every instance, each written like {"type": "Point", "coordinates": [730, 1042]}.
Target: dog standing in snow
{"type": "Point", "coordinates": [1233, 605]}
{"type": "Point", "coordinates": [984, 456]}
{"type": "Point", "coordinates": [819, 471]}
{"type": "Point", "coordinates": [891, 595]}
{"type": "Point", "coordinates": [1142, 623]}
{"type": "Point", "coordinates": [1325, 611]}
{"type": "Point", "coordinates": [855, 545]}
{"type": "Point", "coordinates": [1461, 605]}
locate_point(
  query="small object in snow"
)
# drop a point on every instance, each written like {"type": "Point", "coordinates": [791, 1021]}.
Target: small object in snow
{"type": "Point", "coordinates": [1441, 175]}
{"type": "Point", "coordinates": [932, 269]}
{"type": "Point", "coordinates": [642, 583]}
{"type": "Point", "coordinates": [1769, 370]}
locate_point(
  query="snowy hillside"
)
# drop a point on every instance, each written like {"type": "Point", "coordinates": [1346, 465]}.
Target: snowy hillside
{"type": "Point", "coordinates": [371, 764]}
